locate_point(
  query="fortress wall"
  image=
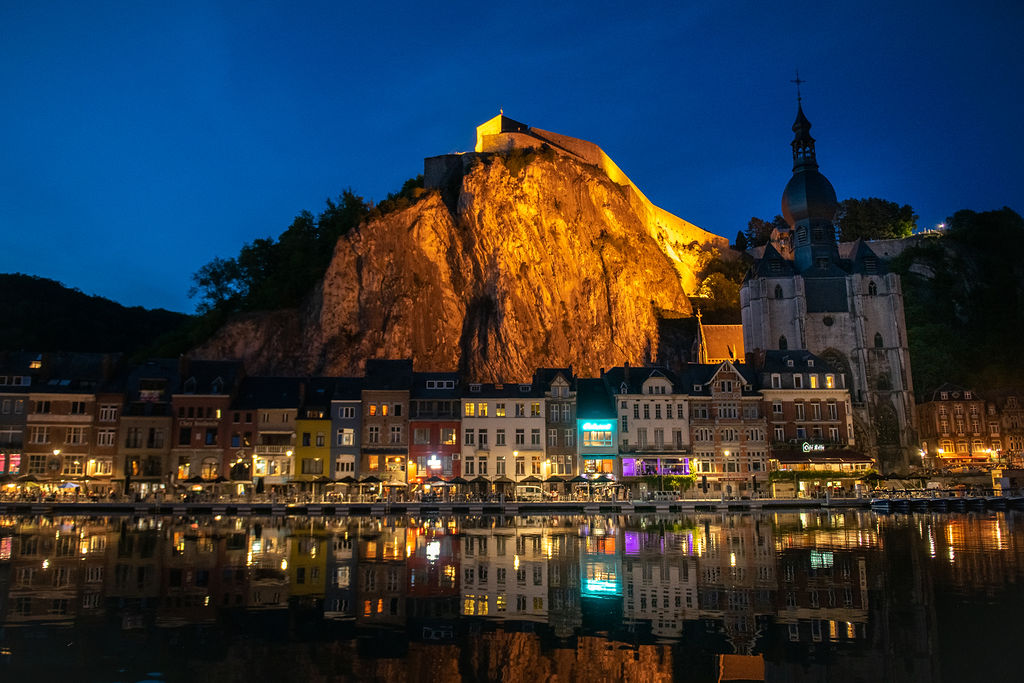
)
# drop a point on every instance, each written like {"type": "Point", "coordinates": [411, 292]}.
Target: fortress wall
{"type": "Point", "coordinates": [674, 234]}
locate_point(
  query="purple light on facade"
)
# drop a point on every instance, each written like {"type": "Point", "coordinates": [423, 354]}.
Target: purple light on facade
{"type": "Point", "coordinates": [629, 467]}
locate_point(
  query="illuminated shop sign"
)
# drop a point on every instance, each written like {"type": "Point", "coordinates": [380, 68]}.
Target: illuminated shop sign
{"type": "Point", "coordinates": [812, 447]}
{"type": "Point", "coordinates": [597, 426]}
{"type": "Point", "coordinates": [433, 463]}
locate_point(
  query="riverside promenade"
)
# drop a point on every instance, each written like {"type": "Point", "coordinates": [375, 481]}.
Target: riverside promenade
{"type": "Point", "coordinates": [344, 509]}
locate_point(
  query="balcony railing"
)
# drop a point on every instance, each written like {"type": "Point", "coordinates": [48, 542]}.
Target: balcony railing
{"type": "Point", "coordinates": [273, 450]}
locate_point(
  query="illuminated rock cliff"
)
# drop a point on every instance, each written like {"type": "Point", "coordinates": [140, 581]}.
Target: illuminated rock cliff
{"type": "Point", "coordinates": [522, 259]}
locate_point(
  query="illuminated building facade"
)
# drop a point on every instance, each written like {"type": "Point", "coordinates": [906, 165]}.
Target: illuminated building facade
{"type": "Point", "coordinates": [503, 431]}
{"type": "Point", "coordinates": [560, 421]}
{"type": "Point", "coordinates": [956, 428]}
{"type": "Point", "coordinates": [385, 420]}
{"type": "Point", "coordinates": [435, 444]}
{"type": "Point", "coordinates": [728, 429]}
{"type": "Point", "coordinates": [597, 423]}
{"type": "Point", "coordinates": [653, 413]}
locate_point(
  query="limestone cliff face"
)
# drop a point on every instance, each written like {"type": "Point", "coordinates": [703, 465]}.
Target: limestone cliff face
{"type": "Point", "coordinates": [534, 260]}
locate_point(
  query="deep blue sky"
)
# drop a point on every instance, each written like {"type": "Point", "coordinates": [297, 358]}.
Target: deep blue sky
{"type": "Point", "coordinates": [139, 141]}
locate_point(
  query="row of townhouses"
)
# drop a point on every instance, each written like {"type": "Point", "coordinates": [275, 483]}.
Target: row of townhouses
{"type": "Point", "coordinates": [145, 427]}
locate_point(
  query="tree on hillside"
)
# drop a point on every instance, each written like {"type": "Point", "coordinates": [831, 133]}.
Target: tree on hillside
{"type": "Point", "coordinates": [759, 231]}
{"type": "Point", "coordinates": [269, 274]}
{"type": "Point", "coordinates": [874, 219]}
{"type": "Point", "coordinates": [741, 242]}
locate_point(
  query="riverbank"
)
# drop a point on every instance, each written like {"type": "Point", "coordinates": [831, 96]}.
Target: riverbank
{"type": "Point", "coordinates": [424, 508]}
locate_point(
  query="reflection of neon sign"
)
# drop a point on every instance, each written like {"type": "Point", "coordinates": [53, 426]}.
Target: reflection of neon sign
{"type": "Point", "coordinates": [809, 447]}
{"type": "Point", "coordinates": [597, 426]}
{"type": "Point", "coordinates": [433, 463]}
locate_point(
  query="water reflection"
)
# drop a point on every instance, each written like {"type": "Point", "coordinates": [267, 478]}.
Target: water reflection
{"type": "Point", "coordinates": [786, 596]}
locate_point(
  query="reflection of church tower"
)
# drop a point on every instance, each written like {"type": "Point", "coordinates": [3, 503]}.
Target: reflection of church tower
{"type": "Point", "coordinates": [838, 302]}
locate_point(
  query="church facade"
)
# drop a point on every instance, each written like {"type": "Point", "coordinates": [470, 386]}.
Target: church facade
{"type": "Point", "coordinates": [840, 303]}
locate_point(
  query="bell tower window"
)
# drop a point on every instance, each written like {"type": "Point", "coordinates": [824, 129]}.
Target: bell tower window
{"type": "Point", "coordinates": [783, 344]}
{"type": "Point", "coordinates": [778, 291]}
{"type": "Point", "coordinates": [872, 288]}
{"type": "Point", "coordinates": [878, 340]}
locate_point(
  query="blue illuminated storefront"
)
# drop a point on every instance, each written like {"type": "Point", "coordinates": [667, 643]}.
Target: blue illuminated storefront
{"type": "Point", "coordinates": [596, 430]}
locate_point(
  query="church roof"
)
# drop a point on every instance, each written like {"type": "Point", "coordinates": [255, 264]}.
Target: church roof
{"type": "Point", "coordinates": [719, 342]}
{"type": "Point", "coordinates": [865, 261]}
{"type": "Point", "coordinates": [772, 264]}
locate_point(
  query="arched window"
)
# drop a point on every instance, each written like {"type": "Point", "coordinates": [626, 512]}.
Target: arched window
{"type": "Point", "coordinates": [878, 340]}
{"type": "Point", "coordinates": [778, 291]}
{"type": "Point", "coordinates": [783, 344]}
{"type": "Point", "coordinates": [872, 288]}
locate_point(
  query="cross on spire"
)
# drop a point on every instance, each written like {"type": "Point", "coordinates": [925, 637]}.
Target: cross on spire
{"type": "Point", "coordinates": [798, 81]}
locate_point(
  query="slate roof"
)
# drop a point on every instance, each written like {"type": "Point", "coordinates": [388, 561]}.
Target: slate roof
{"type": "Point", "coordinates": [268, 393]}
{"type": "Point", "coordinates": [772, 264]}
{"type": "Point", "coordinates": [545, 376]}
{"type": "Point", "coordinates": [698, 374]}
{"type": "Point", "coordinates": [954, 392]}
{"type": "Point", "coordinates": [511, 390]}
{"type": "Point", "coordinates": [388, 374]}
{"type": "Point", "coordinates": [348, 388]}
{"type": "Point", "coordinates": [206, 373]}
{"type": "Point", "coordinates": [865, 261]}
{"type": "Point", "coordinates": [777, 361]}
{"type": "Point", "coordinates": [420, 390]}
{"type": "Point", "coordinates": [634, 378]}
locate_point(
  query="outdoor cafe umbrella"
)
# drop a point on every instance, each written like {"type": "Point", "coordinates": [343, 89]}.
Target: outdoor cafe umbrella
{"type": "Point", "coordinates": [347, 480]}
{"type": "Point", "coordinates": [579, 479]}
{"type": "Point", "coordinates": [436, 480]}
{"type": "Point", "coordinates": [458, 481]}
{"type": "Point", "coordinates": [27, 479]}
{"type": "Point", "coordinates": [195, 480]}
{"type": "Point", "coordinates": [370, 480]}
{"type": "Point", "coordinates": [603, 479]}
{"type": "Point", "coordinates": [532, 479]}
{"type": "Point", "coordinates": [554, 479]}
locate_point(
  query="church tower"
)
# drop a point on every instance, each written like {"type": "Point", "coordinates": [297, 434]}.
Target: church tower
{"type": "Point", "coordinates": [839, 302]}
{"type": "Point", "coordinates": [809, 203]}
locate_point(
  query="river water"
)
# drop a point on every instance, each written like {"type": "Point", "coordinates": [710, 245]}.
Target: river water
{"type": "Point", "coordinates": [788, 596]}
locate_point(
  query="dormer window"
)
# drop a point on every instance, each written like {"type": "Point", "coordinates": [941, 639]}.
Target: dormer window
{"type": "Point", "coordinates": [474, 388]}
{"type": "Point", "coordinates": [524, 387]}
{"type": "Point", "coordinates": [967, 395]}
{"type": "Point", "coordinates": [810, 362]}
{"type": "Point", "coordinates": [190, 385]}
{"type": "Point", "coordinates": [789, 362]}
{"type": "Point", "coordinates": [217, 386]}
{"type": "Point", "coordinates": [623, 389]}
{"type": "Point", "coordinates": [798, 381]}
{"type": "Point", "coordinates": [696, 388]}
{"type": "Point", "coordinates": [944, 395]}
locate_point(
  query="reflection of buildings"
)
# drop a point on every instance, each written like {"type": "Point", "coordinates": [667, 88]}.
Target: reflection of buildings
{"type": "Point", "coordinates": [736, 580]}
{"type": "Point", "coordinates": [811, 595]}
{"type": "Point", "coordinates": [660, 579]}
{"type": "Point", "coordinates": [504, 571]}
{"type": "Point", "coordinates": [381, 575]}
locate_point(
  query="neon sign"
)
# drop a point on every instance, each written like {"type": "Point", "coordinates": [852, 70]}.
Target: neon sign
{"type": "Point", "coordinates": [597, 426]}
{"type": "Point", "coordinates": [433, 463]}
{"type": "Point", "coordinates": [812, 447]}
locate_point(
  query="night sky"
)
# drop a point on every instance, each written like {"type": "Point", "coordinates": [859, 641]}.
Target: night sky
{"type": "Point", "coordinates": [140, 140]}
